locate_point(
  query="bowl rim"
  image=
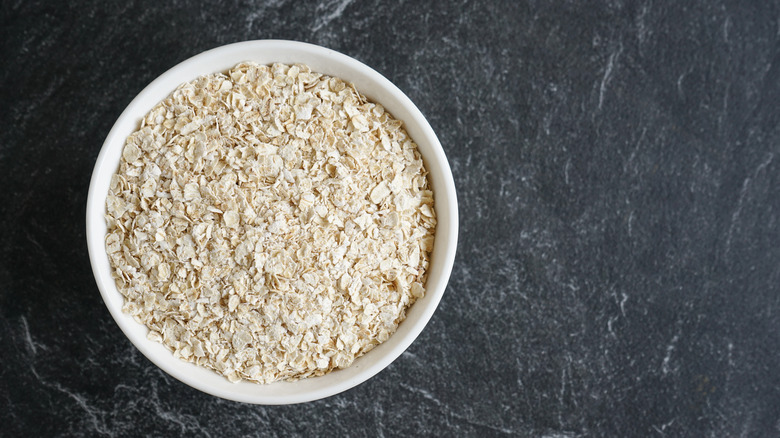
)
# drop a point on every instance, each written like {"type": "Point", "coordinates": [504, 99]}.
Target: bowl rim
{"type": "Point", "coordinates": [184, 71]}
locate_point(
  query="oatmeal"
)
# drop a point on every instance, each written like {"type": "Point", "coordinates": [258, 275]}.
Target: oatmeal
{"type": "Point", "coordinates": [270, 223]}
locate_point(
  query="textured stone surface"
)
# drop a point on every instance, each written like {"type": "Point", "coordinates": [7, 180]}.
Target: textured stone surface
{"type": "Point", "coordinates": [618, 271]}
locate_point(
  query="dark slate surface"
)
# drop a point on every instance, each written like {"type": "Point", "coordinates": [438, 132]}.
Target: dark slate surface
{"type": "Point", "coordinates": [618, 272]}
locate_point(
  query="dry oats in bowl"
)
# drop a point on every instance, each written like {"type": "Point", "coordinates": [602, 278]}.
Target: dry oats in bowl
{"type": "Point", "coordinates": [272, 222]}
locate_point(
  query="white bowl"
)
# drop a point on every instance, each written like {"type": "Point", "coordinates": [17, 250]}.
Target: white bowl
{"type": "Point", "coordinates": [368, 82]}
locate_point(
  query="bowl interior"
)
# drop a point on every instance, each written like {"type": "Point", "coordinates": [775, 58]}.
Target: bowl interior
{"type": "Point", "coordinates": [368, 82]}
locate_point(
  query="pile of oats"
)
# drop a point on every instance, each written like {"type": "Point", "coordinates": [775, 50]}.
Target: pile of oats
{"type": "Point", "coordinates": [269, 223]}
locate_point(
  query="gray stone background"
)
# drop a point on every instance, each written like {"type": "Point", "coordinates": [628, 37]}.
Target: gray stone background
{"type": "Point", "coordinates": [618, 271]}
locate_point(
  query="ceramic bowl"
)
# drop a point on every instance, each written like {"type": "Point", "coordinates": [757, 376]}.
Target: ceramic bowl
{"type": "Point", "coordinates": [378, 89]}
